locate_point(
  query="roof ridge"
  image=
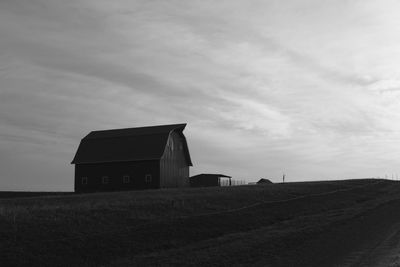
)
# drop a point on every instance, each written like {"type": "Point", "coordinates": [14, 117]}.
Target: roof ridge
{"type": "Point", "coordinates": [135, 131]}
{"type": "Point", "coordinates": [126, 136]}
{"type": "Point", "coordinates": [141, 127]}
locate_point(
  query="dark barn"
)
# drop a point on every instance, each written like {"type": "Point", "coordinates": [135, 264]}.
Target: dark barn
{"type": "Point", "coordinates": [207, 179]}
{"type": "Point", "coordinates": [132, 158]}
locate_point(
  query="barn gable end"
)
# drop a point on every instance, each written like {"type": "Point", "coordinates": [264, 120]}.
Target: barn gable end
{"type": "Point", "coordinates": [174, 164]}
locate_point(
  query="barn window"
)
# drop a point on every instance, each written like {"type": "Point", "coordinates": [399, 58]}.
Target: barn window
{"type": "Point", "coordinates": [84, 180]}
{"type": "Point", "coordinates": [126, 179]}
{"type": "Point", "coordinates": [104, 179]}
{"type": "Point", "coordinates": [148, 178]}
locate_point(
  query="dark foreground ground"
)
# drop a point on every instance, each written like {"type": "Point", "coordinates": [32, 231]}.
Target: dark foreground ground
{"type": "Point", "coordinates": [335, 223]}
{"type": "Point", "coordinates": [20, 194]}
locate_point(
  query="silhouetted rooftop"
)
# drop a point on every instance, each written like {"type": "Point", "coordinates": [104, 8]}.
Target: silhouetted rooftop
{"type": "Point", "coordinates": [129, 144]}
{"type": "Point", "coordinates": [148, 130]}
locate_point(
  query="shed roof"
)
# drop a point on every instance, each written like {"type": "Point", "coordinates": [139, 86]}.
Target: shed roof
{"type": "Point", "coordinates": [211, 174]}
{"type": "Point", "coordinates": [264, 181]}
{"type": "Point", "coordinates": [129, 144]}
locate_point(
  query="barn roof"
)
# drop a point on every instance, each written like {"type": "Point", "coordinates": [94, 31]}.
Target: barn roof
{"type": "Point", "coordinates": [129, 144]}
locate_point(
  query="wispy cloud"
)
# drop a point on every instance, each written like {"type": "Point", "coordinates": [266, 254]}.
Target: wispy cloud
{"type": "Point", "coordinates": [305, 87]}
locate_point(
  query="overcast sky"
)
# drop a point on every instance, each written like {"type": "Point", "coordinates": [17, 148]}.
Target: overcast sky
{"type": "Point", "coordinates": [309, 88]}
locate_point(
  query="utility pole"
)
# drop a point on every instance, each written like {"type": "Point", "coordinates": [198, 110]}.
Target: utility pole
{"type": "Point", "coordinates": [283, 177]}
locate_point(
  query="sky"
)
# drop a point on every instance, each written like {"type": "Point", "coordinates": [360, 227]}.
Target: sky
{"type": "Point", "coordinates": [308, 88]}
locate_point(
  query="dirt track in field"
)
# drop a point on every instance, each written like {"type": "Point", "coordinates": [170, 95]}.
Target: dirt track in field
{"type": "Point", "coordinates": [387, 253]}
{"type": "Point", "coordinates": [371, 239]}
{"type": "Point", "coordinates": [384, 253]}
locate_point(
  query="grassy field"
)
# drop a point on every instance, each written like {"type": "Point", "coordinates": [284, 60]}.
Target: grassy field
{"type": "Point", "coordinates": [20, 194]}
{"type": "Point", "coordinates": [270, 225]}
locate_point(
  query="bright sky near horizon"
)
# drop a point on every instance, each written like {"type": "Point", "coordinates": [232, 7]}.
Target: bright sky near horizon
{"type": "Point", "coordinates": [306, 87]}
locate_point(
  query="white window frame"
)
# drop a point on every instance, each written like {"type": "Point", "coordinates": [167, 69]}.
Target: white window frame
{"type": "Point", "coordinates": [126, 179]}
{"type": "Point", "coordinates": [148, 178]}
{"type": "Point", "coordinates": [105, 180]}
{"type": "Point", "coordinates": [84, 180]}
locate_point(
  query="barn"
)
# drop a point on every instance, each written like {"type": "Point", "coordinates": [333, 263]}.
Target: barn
{"type": "Point", "coordinates": [132, 158]}
{"type": "Point", "coordinates": [208, 179]}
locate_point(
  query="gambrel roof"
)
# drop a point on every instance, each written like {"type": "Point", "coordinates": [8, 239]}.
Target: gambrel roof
{"type": "Point", "coordinates": [129, 144]}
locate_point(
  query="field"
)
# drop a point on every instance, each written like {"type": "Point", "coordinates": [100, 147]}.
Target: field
{"type": "Point", "coordinates": [345, 223]}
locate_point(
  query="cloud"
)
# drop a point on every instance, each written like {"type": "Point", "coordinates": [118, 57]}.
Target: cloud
{"type": "Point", "coordinates": [304, 86]}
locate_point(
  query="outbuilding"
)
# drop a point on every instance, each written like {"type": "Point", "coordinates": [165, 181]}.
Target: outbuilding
{"type": "Point", "coordinates": [208, 179]}
{"type": "Point", "coordinates": [264, 181]}
{"type": "Point", "coordinates": [132, 158]}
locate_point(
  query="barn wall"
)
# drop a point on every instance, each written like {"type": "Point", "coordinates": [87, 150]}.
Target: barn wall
{"type": "Point", "coordinates": [174, 169]}
{"type": "Point", "coordinates": [115, 172]}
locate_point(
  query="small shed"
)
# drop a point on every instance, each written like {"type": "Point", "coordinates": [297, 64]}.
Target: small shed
{"type": "Point", "coordinates": [264, 181]}
{"type": "Point", "coordinates": [208, 179]}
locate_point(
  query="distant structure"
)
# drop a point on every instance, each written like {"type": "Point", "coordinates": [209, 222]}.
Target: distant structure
{"type": "Point", "coordinates": [208, 179]}
{"type": "Point", "coordinates": [132, 158]}
{"type": "Point", "coordinates": [264, 181]}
